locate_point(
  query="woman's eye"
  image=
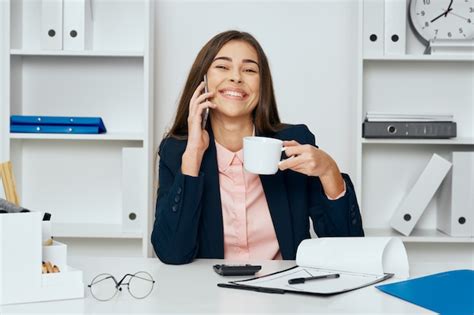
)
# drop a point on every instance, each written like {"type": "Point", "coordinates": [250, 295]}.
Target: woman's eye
{"type": "Point", "coordinates": [250, 70]}
{"type": "Point", "coordinates": [221, 67]}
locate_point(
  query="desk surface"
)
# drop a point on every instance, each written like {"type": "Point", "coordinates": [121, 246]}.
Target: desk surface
{"type": "Point", "coordinates": [192, 289]}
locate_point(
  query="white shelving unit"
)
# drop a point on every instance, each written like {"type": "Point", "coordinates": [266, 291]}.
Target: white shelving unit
{"type": "Point", "coordinates": [90, 53]}
{"type": "Point", "coordinates": [388, 168]}
{"type": "Point", "coordinates": [79, 178]}
{"type": "Point", "coordinates": [455, 141]}
{"type": "Point", "coordinates": [420, 236]}
{"type": "Point", "coordinates": [421, 58]}
{"type": "Point", "coordinates": [106, 136]}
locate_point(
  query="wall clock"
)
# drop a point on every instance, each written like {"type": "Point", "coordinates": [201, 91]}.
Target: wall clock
{"type": "Point", "coordinates": [446, 20]}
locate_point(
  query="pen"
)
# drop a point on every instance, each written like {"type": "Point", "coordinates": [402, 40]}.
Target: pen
{"type": "Point", "coordinates": [303, 280]}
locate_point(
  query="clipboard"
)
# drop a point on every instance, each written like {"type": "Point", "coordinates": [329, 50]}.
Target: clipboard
{"type": "Point", "coordinates": [359, 262]}
{"type": "Point", "coordinates": [277, 282]}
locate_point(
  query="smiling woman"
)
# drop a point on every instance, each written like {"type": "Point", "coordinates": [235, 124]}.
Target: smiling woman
{"type": "Point", "coordinates": [208, 205]}
{"type": "Point", "coordinates": [234, 76]}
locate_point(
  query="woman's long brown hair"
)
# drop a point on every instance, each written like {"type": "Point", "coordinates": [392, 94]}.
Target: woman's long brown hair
{"type": "Point", "coordinates": [265, 115]}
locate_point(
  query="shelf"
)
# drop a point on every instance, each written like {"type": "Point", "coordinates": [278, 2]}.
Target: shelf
{"type": "Point", "coordinates": [420, 236]}
{"type": "Point", "coordinates": [61, 136]}
{"type": "Point", "coordinates": [86, 230]}
{"type": "Point", "coordinates": [85, 53]}
{"type": "Point", "coordinates": [466, 57]}
{"type": "Point", "coordinates": [113, 79]}
{"type": "Point", "coordinates": [456, 141]}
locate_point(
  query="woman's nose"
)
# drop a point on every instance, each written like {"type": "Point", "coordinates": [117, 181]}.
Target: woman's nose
{"type": "Point", "coordinates": [236, 78]}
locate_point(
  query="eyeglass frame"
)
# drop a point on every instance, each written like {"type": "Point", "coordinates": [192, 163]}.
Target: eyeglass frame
{"type": "Point", "coordinates": [119, 284]}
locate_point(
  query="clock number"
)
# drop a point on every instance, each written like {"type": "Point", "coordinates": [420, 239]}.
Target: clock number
{"type": "Point", "coordinates": [471, 10]}
{"type": "Point", "coordinates": [469, 21]}
{"type": "Point", "coordinates": [427, 24]}
{"type": "Point", "coordinates": [450, 35]}
{"type": "Point", "coordinates": [426, 2]}
{"type": "Point", "coordinates": [460, 30]}
{"type": "Point", "coordinates": [423, 13]}
{"type": "Point", "coordinates": [436, 32]}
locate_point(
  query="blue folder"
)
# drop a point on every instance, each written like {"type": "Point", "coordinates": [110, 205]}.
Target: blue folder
{"type": "Point", "coordinates": [54, 129]}
{"type": "Point", "coordinates": [56, 124]}
{"type": "Point", "coordinates": [450, 292]}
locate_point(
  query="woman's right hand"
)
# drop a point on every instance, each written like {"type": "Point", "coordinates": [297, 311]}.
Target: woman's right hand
{"type": "Point", "coordinates": [198, 139]}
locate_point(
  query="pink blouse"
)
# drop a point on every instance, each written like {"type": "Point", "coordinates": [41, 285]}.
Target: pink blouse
{"type": "Point", "coordinates": [248, 228]}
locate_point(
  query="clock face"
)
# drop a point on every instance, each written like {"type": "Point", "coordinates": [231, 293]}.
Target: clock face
{"type": "Point", "coordinates": [443, 19]}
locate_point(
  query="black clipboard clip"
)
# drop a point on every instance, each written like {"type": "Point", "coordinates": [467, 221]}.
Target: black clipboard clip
{"type": "Point", "coordinates": [249, 288]}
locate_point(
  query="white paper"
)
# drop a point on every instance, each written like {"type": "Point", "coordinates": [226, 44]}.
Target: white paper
{"type": "Point", "coordinates": [355, 254]}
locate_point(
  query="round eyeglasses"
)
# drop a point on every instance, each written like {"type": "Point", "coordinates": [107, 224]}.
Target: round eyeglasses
{"type": "Point", "coordinates": [104, 286]}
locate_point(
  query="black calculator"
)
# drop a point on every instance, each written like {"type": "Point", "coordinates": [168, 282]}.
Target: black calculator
{"type": "Point", "coordinates": [236, 270]}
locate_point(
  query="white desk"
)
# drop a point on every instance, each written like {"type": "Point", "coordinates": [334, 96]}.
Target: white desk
{"type": "Point", "coordinates": [192, 289]}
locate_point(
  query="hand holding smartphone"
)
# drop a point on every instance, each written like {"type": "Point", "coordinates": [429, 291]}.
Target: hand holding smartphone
{"type": "Point", "coordinates": [205, 113]}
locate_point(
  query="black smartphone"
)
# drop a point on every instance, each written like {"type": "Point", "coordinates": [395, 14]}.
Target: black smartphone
{"type": "Point", "coordinates": [205, 113]}
{"type": "Point", "coordinates": [236, 270]}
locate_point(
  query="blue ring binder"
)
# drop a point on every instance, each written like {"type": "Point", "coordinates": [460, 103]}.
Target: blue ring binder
{"type": "Point", "coordinates": [56, 124]}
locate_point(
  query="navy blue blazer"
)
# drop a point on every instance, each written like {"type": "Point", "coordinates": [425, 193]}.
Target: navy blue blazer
{"type": "Point", "coordinates": [188, 219]}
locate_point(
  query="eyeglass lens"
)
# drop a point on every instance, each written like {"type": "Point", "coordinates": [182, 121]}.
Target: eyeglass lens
{"type": "Point", "coordinates": [103, 287]}
{"type": "Point", "coordinates": [140, 285]}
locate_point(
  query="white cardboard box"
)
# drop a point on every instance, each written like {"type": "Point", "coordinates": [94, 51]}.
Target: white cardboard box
{"type": "Point", "coordinates": [373, 27]}
{"type": "Point", "coordinates": [455, 213]}
{"type": "Point", "coordinates": [77, 32]}
{"type": "Point", "coordinates": [415, 202]}
{"type": "Point", "coordinates": [395, 27]}
{"type": "Point", "coordinates": [52, 24]}
{"type": "Point", "coordinates": [21, 278]}
{"type": "Point", "coordinates": [133, 197]}
{"type": "Point", "coordinates": [56, 253]}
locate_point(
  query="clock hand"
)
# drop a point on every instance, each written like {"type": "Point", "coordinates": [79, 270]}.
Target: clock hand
{"type": "Point", "coordinates": [448, 9]}
{"type": "Point", "coordinates": [459, 16]}
{"type": "Point", "coordinates": [441, 15]}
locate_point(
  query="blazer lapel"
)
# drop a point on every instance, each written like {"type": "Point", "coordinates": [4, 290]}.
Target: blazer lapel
{"type": "Point", "coordinates": [277, 199]}
{"type": "Point", "coordinates": [212, 223]}
{"type": "Point", "coordinates": [275, 192]}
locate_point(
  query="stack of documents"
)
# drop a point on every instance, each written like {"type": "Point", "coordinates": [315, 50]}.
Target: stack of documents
{"type": "Point", "coordinates": [56, 124]}
{"type": "Point", "coordinates": [379, 116]}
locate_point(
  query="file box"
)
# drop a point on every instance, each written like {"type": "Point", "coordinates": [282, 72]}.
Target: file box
{"type": "Point", "coordinates": [455, 213]}
{"type": "Point", "coordinates": [21, 256]}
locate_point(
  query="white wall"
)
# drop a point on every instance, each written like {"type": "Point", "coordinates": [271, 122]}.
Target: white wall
{"type": "Point", "coordinates": [311, 47]}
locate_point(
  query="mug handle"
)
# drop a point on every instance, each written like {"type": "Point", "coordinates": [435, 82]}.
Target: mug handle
{"type": "Point", "coordinates": [283, 149]}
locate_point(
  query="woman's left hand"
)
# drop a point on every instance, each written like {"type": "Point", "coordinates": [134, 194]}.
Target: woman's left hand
{"type": "Point", "coordinates": [309, 160]}
{"type": "Point", "coordinates": [306, 159]}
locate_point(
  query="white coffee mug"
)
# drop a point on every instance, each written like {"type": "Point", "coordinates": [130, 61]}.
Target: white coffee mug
{"type": "Point", "coordinates": [262, 155]}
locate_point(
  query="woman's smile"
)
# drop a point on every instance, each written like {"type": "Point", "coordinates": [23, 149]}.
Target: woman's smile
{"type": "Point", "coordinates": [233, 94]}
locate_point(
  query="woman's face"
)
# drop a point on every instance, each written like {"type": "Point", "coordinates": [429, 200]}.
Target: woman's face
{"type": "Point", "coordinates": [235, 79]}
